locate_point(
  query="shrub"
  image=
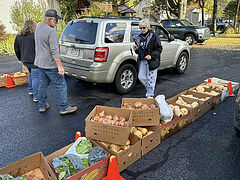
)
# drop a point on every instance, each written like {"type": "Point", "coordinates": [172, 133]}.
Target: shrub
{"type": "Point", "coordinates": [3, 34]}
{"type": "Point", "coordinates": [25, 10]}
{"type": "Point", "coordinates": [7, 45]}
{"type": "Point", "coordinates": [229, 30]}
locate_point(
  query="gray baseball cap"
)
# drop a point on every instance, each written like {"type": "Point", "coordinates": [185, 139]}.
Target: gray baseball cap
{"type": "Point", "coordinates": [52, 13]}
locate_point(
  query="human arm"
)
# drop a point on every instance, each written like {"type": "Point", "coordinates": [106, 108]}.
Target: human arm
{"type": "Point", "coordinates": [17, 49]}
{"type": "Point", "coordinates": [54, 49]}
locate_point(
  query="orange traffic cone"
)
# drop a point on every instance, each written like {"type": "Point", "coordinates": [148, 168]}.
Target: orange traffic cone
{"type": "Point", "coordinates": [209, 80]}
{"type": "Point", "coordinates": [78, 135]}
{"type": "Point", "coordinates": [10, 82]}
{"type": "Point", "coordinates": [113, 173]}
{"type": "Point", "coordinates": [230, 89]}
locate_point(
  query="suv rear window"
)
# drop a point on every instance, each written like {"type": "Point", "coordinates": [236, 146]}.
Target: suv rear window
{"type": "Point", "coordinates": [80, 32]}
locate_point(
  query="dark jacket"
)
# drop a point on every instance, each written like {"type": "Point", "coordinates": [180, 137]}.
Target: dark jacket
{"type": "Point", "coordinates": [153, 48]}
{"type": "Point", "coordinates": [24, 47]}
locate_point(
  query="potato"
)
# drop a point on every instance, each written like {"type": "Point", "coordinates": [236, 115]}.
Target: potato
{"type": "Point", "coordinates": [115, 147]}
{"type": "Point", "coordinates": [133, 129]}
{"type": "Point", "coordinates": [144, 131]}
{"type": "Point", "coordinates": [138, 133]}
{"type": "Point", "coordinates": [105, 144]}
{"type": "Point", "coordinates": [183, 102]}
{"type": "Point", "coordinates": [200, 89]}
{"type": "Point", "coordinates": [179, 102]}
{"type": "Point", "coordinates": [177, 112]}
{"type": "Point", "coordinates": [128, 142]}
{"type": "Point", "coordinates": [194, 104]}
{"type": "Point", "coordinates": [120, 151]}
{"type": "Point", "coordinates": [184, 111]}
{"type": "Point", "coordinates": [148, 133]}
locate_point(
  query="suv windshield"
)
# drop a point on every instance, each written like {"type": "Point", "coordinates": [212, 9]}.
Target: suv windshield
{"type": "Point", "coordinates": [80, 32]}
{"type": "Point", "coordinates": [187, 23]}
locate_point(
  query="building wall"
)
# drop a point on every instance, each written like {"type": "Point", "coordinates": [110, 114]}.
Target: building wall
{"type": "Point", "coordinates": [5, 8]}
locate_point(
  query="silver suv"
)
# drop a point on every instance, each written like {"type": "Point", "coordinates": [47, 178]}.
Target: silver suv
{"type": "Point", "coordinates": [99, 50]}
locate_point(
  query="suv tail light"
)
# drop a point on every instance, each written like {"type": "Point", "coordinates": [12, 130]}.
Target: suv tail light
{"type": "Point", "coordinates": [101, 54]}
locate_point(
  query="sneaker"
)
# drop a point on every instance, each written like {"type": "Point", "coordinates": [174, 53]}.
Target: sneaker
{"type": "Point", "coordinates": [30, 93]}
{"type": "Point", "coordinates": [44, 108]}
{"type": "Point", "coordinates": [150, 97]}
{"type": "Point", "coordinates": [35, 100]}
{"type": "Point", "coordinates": [70, 109]}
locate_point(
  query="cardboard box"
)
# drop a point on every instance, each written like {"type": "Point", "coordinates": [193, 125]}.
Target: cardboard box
{"type": "Point", "coordinates": [235, 85]}
{"type": "Point", "coordinates": [177, 123]}
{"type": "Point", "coordinates": [20, 80]}
{"type": "Point", "coordinates": [3, 81]}
{"type": "Point", "coordinates": [108, 133]}
{"type": "Point", "coordinates": [151, 141]}
{"type": "Point", "coordinates": [195, 112]}
{"type": "Point", "coordinates": [207, 103]}
{"type": "Point", "coordinates": [96, 171]}
{"type": "Point", "coordinates": [128, 156]}
{"type": "Point", "coordinates": [144, 117]}
{"type": "Point", "coordinates": [216, 98]}
{"type": "Point", "coordinates": [24, 167]}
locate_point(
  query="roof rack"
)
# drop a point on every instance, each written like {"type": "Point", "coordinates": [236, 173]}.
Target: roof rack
{"type": "Point", "coordinates": [111, 17]}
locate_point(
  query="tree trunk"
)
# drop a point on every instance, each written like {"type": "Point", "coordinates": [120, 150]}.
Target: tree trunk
{"type": "Point", "coordinates": [203, 19]}
{"type": "Point", "coordinates": [182, 7]}
{"type": "Point", "coordinates": [167, 10]}
{"type": "Point", "coordinates": [215, 16]}
{"type": "Point", "coordinates": [236, 16]}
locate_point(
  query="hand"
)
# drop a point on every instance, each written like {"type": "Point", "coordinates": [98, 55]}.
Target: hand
{"type": "Point", "coordinates": [148, 57]}
{"type": "Point", "coordinates": [135, 47]}
{"type": "Point", "coordinates": [60, 70]}
{"type": "Point", "coordinates": [20, 62]}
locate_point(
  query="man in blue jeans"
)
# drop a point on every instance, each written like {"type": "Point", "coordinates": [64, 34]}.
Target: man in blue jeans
{"type": "Point", "coordinates": [49, 63]}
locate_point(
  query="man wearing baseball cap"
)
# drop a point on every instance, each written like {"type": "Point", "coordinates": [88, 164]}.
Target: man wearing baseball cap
{"type": "Point", "coordinates": [50, 66]}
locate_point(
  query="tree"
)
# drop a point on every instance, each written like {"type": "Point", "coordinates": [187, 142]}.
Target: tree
{"type": "Point", "coordinates": [68, 9]}
{"type": "Point", "coordinates": [173, 7]}
{"type": "Point", "coordinates": [25, 10]}
{"type": "Point", "coordinates": [202, 5]}
{"type": "Point", "coordinates": [215, 5]}
{"type": "Point", "coordinates": [236, 15]}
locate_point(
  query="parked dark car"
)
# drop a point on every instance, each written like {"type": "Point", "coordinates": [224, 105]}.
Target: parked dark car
{"type": "Point", "coordinates": [187, 31]}
{"type": "Point", "coordinates": [221, 25]}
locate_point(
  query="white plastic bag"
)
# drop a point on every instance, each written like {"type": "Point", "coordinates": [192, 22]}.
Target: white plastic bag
{"type": "Point", "coordinates": [165, 110]}
{"type": "Point", "coordinates": [72, 149]}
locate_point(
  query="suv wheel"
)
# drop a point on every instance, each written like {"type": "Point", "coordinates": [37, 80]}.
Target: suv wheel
{"type": "Point", "coordinates": [125, 78]}
{"type": "Point", "coordinates": [189, 38]}
{"type": "Point", "coordinates": [182, 63]}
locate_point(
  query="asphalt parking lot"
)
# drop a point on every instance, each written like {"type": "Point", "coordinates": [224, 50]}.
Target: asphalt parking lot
{"type": "Point", "coordinates": [206, 149]}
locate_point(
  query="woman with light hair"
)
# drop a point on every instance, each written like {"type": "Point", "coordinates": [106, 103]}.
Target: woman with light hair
{"type": "Point", "coordinates": [24, 47]}
{"type": "Point", "coordinates": [148, 47]}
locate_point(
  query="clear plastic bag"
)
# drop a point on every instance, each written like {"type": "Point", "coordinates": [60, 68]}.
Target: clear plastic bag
{"type": "Point", "coordinates": [166, 113]}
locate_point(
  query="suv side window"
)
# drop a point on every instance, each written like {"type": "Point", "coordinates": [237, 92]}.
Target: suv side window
{"type": "Point", "coordinates": [165, 23]}
{"type": "Point", "coordinates": [175, 23]}
{"type": "Point", "coordinates": [135, 31]}
{"type": "Point", "coordinates": [162, 35]}
{"type": "Point", "coordinates": [115, 32]}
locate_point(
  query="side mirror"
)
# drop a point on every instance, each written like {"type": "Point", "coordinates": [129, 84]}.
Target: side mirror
{"type": "Point", "coordinates": [170, 37]}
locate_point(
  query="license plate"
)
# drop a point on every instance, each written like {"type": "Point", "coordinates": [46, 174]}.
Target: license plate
{"type": "Point", "coordinates": [73, 52]}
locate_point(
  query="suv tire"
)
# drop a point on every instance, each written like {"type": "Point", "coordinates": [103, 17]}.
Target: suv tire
{"type": "Point", "coordinates": [190, 39]}
{"type": "Point", "coordinates": [182, 63]}
{"type": "Point", "coordinates": [125, 78]}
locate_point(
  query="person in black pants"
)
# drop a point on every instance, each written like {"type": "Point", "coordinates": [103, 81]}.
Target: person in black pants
{"type": "Point", "coordinates": [24, 47]}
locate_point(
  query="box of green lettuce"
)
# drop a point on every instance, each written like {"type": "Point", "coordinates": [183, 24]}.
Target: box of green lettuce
{"type": "Point", "coordinates": [96, 171]}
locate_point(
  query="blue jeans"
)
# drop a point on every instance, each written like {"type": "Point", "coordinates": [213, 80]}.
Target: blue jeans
{"type": "Point", "coordinates": [51, 75]}
{"type": "Point", "coordinates": [147, 77]}
{"type": "Point", "coordinates": [33, 81]}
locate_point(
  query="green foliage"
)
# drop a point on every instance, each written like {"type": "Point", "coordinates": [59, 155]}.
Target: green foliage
{"type": "Point", "coordinates": [68, 9]}
{"type": "Point", "coordinates": [7, 45]}
{"type": "Point", "coordinates": [61, 26]}
{"type": "Point", "coordinates": [93, 11]}
{"type": "Point", "coordinates": [25, 10]}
